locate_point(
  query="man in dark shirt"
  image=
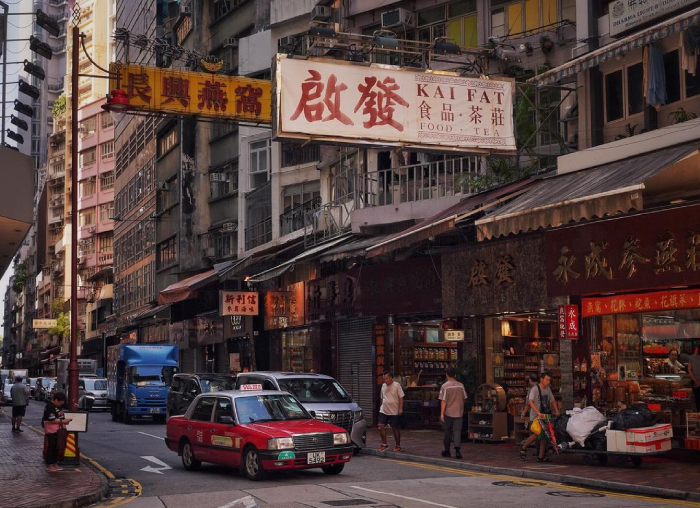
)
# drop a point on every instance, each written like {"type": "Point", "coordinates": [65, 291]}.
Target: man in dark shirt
{"type": "Point", "coordinates": [52, 421]}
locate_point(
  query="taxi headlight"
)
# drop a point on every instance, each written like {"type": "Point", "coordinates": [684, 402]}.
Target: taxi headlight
{"type": "Point", "coordinates": [341, 438]}
{"type": "Point", "coordinates": [280, 443]}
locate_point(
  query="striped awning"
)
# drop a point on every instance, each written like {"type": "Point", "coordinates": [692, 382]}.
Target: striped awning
{"type": "Point", "coordinates": [620, 47]}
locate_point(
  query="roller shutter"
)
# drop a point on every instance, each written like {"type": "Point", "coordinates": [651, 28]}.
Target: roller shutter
{"type": "Point", "coordinates": [356, 362]}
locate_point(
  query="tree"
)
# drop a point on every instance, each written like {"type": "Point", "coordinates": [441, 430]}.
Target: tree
{"type": "Point", "coordinates": [20, 277]}
{"type": "Point", "coordinates": [59, 107]}
{"type": "Point", "coordinates": [62, 328]}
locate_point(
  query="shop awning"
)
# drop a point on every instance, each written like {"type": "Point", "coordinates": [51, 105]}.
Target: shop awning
{"type": "Point", "coordinates": [446, 220]}
{"type": "Point", "coordinates": [187, 288]}
{"type": "Point", "coordinates": [609, 51]}
{"type": "Point", "coordinates": [307, 254]}
{"type": "Point", "coordinates": [355, 248]}
{"type": "Point", "coordinates": [597, 192]}
{"type": "Point", "coordinates": [150, 313]}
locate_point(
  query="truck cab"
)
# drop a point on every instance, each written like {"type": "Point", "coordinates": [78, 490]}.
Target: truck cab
{"type": "Point", "coordinates": [138, 380]}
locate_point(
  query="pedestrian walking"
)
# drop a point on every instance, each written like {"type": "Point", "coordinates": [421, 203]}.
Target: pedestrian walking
{"type": "Point", "coordinates": [20, 400]}
{"type": "Point", "coordinates": [452, 397]}
{"type": "Point", "coordinates": [392, 407]}
{"type": "Point", "coordinates": [52, 421]}
{"type": "Point", "coordinates": [540, 400]}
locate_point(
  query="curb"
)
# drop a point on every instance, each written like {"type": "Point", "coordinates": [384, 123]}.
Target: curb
{"type": "Point", "coordinates": [626, 488]}
{"type": "Point", "coordinates": [86, 499]}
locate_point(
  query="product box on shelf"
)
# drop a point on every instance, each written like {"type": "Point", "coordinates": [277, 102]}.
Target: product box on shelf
{"type": "Point", "coordinates": [648, 434]}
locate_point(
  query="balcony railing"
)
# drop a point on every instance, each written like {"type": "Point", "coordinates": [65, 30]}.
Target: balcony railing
{"type": "Point", "coordinates": [293, 219]}
{"type": "Point", "coordinates": [105, 258]}
{"type": "Point", "coordinates": [258, 234]}
{"type": "Point", "coordinates": [416, 182]}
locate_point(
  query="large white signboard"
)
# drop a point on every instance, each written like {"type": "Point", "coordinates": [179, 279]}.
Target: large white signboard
{"type": "Point", "coordinates": [627, 14]}
{"type": "Point", "coordinates": [360, 104]}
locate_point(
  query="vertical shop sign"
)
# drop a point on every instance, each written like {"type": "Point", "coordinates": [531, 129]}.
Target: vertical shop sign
{"type": "Point", "coordinates": [380, 351]}
{"type": "Point", "coordinates": [568, 322]}
{"type": "Point", "coordinates": [285, 309]}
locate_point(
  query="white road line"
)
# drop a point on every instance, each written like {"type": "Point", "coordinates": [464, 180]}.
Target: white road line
{"type": "Point", "coordinates": [247, 502]}
{"type": "Point", "coordinates": [151, 435]}
{"type": "Point", "coordinates": [402, 497]}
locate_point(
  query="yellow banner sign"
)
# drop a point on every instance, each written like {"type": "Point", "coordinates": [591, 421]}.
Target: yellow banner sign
{"type": "Point", "coordinates": [195, 93]}
{"type": "Point", "coordinates": [40, 324]}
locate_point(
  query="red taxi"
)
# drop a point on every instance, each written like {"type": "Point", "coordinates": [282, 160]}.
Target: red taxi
{"type": "Point", "coordinates": [256, 431]}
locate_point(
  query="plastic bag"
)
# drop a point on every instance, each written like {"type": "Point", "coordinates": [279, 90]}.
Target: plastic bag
{"type": "Point", "coordinates": [560, 429]}
{"type": "Point", "coordinates": [535, 427]}
{"type": "Point", "coordinates": [582, 422]}
{"type": "Point", "coordinates": [597, 440]}
{"type": "Point", "coordinates": [634, 417]}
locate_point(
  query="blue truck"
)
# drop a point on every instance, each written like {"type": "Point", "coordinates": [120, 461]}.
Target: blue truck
{"type": "Point", "coordinates": [138, 380]}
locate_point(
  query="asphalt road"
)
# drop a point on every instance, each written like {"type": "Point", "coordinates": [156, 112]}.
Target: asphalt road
{"type": "Point", "coordinates": [137, 456]}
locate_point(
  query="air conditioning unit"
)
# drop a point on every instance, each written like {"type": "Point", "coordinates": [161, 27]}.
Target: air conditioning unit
{"type": "Point", "coordinates": [397, 17]}
{"type": "Point", "coordinates": [322, 221]}
{"type": "Point", "coordinates": [289, 40]}
{"type": "Point", "coordinates": [185, 10]}
{"type": "Point", "coordinates": [209, 252]}
{"type": "Point", "coordinates": [230, 42]}
{"type": "Point", "coordinates": [321, 13]}
{"type": "Point", "coordinates": [163, 186]}
{"type": "Point", "coordinates": [91, 229]}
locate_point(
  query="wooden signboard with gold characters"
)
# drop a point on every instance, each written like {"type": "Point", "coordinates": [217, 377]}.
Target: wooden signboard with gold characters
{"type": "Point", "coordinates": [160, 90]}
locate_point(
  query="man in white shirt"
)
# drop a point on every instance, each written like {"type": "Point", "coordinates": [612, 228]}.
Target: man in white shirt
{"type": "Point", "coordinates": [392, 407]}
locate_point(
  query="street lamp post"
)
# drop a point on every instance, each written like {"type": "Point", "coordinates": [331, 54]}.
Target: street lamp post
{"type": "Point", "coordinates": [73, 364]}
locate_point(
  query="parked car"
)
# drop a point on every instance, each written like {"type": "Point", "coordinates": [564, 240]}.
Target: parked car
{"type": "Point", "coordinates": [258, 432]}
{"type": "Point", "coordinates": [6, 395]}
{"type": "Point", "coordinates": [32, 387]}
{"type": "Point", "coordinates": [92, 393]}
{"type": "Point", "coordinates": [321, 395]}
{"type": "Point", "coordinates": [48, 387]}
{"type": "Point", "coordinates": [185, 388]}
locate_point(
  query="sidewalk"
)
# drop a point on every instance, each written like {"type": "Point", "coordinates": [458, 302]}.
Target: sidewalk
{"type": "Point", "coordinates": [25, 482]}
{"type": "Point", "coordinates": [657, 476]}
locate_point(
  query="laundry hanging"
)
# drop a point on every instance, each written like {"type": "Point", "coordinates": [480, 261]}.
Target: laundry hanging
{"type": "Point", "coordinates": [655, 77]}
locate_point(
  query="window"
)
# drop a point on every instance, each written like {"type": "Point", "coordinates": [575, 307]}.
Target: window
{"type": "Point", "coordinates": [88, 126]}
{"type": "Point", "coordinates": [614, 99]}
{"type": "Point", "coordinates": [183, 29]}
{"type": "Point", "coordinates": [167, 142]}
{"type": "Point", "coordinates": [107, 211]}
{"type": "Point", "coordinates": [87, 188]}
{"type": "Point", "coordinates": [106, 119]}
{"type": "Point", "coordinates": [673, 76]}
{"type": "Point", "coordinates": [107, 180]}
{"type": "Point", "coordinates": [692, 82]}
{"type": "Point", "coordinates": [224, 245]}
{"type": "Point", "coordinates": [303, 193]}
{"type": "Point", "coordinates": [88, 157]}
{"type": "Point", "coordinates": [294, 154]}
{"type": "Point", "coordinates": [87, 217]}
{"type": "Point", "coordinates": [168, 195]}
{"type": "Point", "coordinates": [524, 17]}
{"type": "Point", "coordinates": [167, 253]}
{"type": "Point", "coordinates": [58, 168]}
{"type": "Point", "coordinates": [259, 162]}
{"type": "Point", "coordinates": [223, 180]}
{"type": "Point", "coordinates": [221, 8]}
{"type": "Point", "coordinates": [106, 242]}
{"type": "Point", "coordinates": [635, 92]}
{"type": "Point", "coordinates": [223, 408]}
{"type": "Point", "coordinates": [86, 246]}
{"type": "Point", "coordinates": [107, 150]}
{"type": "Point", "coordinates": [461, 23]}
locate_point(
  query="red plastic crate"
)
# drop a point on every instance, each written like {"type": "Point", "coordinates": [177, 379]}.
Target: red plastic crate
{"type": "Point", "coordinates": [692, 444]}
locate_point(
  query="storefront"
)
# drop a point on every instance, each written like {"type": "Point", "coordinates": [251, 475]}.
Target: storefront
{"type": "Point", "coordinates": [638, 282]}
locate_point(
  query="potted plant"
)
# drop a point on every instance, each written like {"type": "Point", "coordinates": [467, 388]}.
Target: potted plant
{"type": "Point", "coordinates": [546, 44]}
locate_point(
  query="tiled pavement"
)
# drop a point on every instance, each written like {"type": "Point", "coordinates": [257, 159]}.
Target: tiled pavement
{"type": "Point", "coordinates": [681, 476]}
{"type": "Point", "coordinates": [25, 481]}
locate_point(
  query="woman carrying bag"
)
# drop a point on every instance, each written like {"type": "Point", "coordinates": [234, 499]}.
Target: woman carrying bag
{"type": "Point", "coordinates": [55, 433]}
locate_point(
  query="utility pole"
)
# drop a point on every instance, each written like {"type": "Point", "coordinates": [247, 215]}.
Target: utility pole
{"type": "Point", "coordinates": [73, 364]}
{"type": "Point", "coordinates": [4, 65]}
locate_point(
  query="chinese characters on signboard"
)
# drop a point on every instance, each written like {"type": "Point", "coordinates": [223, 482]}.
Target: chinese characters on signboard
{"type": "Point", "coordinates": [195, 93]}
{"type": "Point", "coordinates": [622, 304]}
{"type": "Point", "coordinates": [331, 297]}
{"type": "Point", "coordinates": [568, 322]}
{"type": "Point", "coordinates": [333, 100]}
{"type": "Point", "coordinates": [285, 308]}
{"type": "Point", "coordinates": [652, 250]}
{"type": "Point", "coordinates": [238, 303]}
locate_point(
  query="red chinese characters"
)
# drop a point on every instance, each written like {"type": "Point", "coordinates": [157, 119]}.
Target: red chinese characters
{"type": "Point", "coordinates": [212, 94]}
{"type": "Point", "coordinates": [379, 105]}
{"type": "Point", "coordinates": [311, 105]}
{"type": "Point", "coordinates": [239, 303]}
{"type": "Point", "coordinates": [248, 99]}
{"type": "Point", "coordinates": [138, 85]}
{"type": "Point", "coordinates": [176, 89]}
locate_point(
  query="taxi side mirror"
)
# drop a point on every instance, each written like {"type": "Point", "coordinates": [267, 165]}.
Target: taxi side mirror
{"type": "Point", "coordinates": [227, 420]}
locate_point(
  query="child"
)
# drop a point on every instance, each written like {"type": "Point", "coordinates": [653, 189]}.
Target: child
{"type": "Point", "coordinates": [52, 421]}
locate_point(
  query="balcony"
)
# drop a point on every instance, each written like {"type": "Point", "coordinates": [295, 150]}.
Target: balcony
{"type": "Point", "coordinates": [293, 219]}
{"type": "Point", "coordinates": [417, 182]}
{"type": "Point", "coordinates": [105, 258]}
{"type": "Point", "coordinates": [57, 87]}
{"type": "Point", "coordinates": [258, 234]}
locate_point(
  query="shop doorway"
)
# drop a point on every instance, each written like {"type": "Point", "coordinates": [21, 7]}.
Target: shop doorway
{"type": "Point", "coordinates": [356, 362]}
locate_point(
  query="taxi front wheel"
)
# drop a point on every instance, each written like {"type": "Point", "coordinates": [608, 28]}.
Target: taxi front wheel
{"type": "Point", "coordinates": [334, 469]}
{"type": "Point", "coordinates": [188, 460]}
{"type": "Point", "coordinates": [252, 466]}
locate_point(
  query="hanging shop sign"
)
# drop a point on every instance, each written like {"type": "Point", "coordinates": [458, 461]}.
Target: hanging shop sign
{"type": "Point", "coordinates": [642, 302]}
{"type": "Point", "coordinates": [628, 14]}
{"type": "Point", "coordinates": [331, 297]}
{"type": "Point", "coordinates": [498, 277]}
{"type": "Point", "coordinates": [648, 250]}
{"type": "Point", "coordinates": [454, 335]}
{"type": "Point", "coordinates": [568, 322]}
{"type": "Point", "coordinates": [238, 303]}
{"type": "Point", "coordinates": [284, 309]}
{"type": "Point", "coordinates": [330, 100]}
{"type": "Point", "coordinates": [162, 90]}
{"type": "Point", "coordinates": [42, 324]}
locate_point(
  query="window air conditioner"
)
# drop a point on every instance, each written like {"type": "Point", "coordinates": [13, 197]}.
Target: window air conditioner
{"type": "Point", "coordinates": [230, 42]}
{"type": "Point", "coordinates": [397, 17]}
{"type": "Point", "coordinates": [321, 13]}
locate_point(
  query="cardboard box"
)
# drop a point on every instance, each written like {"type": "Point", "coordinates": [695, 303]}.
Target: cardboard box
{"type": "Point", "coordinates": [616, 441]}
{"type": "Point", "coordinates": [663, 445]}
{"type": "Point", "coordinates": [648, 434]}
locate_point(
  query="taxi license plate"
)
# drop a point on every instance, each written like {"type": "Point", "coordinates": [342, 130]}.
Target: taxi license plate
{"type": "Point", "coordinates": [155, 410]}
{"type": "Point", "coordinates": [316, 458]}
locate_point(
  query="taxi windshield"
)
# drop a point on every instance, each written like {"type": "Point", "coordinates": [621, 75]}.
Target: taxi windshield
{"type": "Point", "coordinates": [269, 408]}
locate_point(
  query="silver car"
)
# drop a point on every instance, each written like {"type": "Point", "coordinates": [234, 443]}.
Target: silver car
{"type": "Point", "coordinates": [94, 388]}
{"type": "Point", "coordinates": [321, 395]}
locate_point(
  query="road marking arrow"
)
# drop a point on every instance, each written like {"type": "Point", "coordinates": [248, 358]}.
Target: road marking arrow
{"type": "Point", "coordinates": [150, 469]}
{"type": "Point", "coordinates": [247, 502]}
